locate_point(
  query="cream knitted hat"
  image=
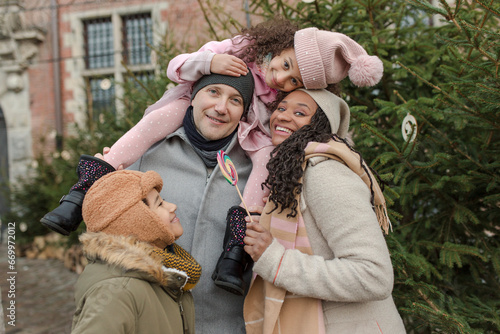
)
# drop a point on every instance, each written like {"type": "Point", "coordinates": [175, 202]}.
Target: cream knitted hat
{"type": "Point", "coordinates": [326, 57]}
{"type": "Point", "coordinates": [114, 205]}
{"type": "Point", "coordinates": [334, 107]}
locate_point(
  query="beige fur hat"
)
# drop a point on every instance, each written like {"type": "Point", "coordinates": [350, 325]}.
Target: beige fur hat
{"type": "Point", "coordinates": [114, 205]}
{"type": "Point", "coordinates": [334, 107]}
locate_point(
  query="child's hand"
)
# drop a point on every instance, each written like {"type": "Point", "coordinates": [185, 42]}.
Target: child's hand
{"type": "Point", "coordinates": [228, 65]}
{"type": "Point", "coordinates": [101, 156]}
{"type": "Point", "coordinates": [104, 152]}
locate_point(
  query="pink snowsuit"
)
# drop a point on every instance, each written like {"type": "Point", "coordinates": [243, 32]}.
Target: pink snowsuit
{"type": "Point", "coordinates": [166, 115]}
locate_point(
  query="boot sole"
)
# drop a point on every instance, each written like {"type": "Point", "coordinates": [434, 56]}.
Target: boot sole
{"type": "Point", "coordinates": [228, 286]}
{"type": "Point", "coordinates": [53, 226]}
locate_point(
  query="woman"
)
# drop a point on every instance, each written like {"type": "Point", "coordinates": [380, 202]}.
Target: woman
{"type": "Point", "coordinates": [324, 265]}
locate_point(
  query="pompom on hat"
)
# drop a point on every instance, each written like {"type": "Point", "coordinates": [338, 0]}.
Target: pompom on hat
{"type": "Point", "coordinates": [326, 57]}
{"type": "Point", "coordinates": [114, 205]}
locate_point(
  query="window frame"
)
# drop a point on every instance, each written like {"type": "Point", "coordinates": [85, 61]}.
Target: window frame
{"type": "Point", "coordinates": [76, 82]}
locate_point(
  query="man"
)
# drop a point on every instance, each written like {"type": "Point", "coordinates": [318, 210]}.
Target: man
{"type": "Point", "coordinates": [186, 160]}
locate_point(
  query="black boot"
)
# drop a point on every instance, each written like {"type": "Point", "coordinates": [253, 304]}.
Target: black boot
{"type": "Point", "coordinates": [228, 273]}
{"type": "Point", "coordinates": [68, 215]}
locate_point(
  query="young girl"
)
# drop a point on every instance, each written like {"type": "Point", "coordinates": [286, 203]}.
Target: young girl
{"type": "Point", "coordinates": [281, 58]}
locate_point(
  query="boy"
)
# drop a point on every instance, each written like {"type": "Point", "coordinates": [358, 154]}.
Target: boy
{"type": "Point", "coordinates": [137, 280]}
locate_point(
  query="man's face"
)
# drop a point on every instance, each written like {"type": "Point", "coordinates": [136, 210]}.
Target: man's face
{"type": "Point", "coordinates": [217, 110]}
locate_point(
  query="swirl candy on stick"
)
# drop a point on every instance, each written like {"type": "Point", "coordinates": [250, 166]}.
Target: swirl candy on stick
{"type": "Point", "coordinates": [229, 172]}
{"type": "Point", "coordinates": [227, 168]}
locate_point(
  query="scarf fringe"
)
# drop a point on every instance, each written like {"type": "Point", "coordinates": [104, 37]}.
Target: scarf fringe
{"type": "Point", "coordinates": [383, 218]}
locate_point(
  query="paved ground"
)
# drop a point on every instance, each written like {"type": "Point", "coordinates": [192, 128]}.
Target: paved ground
{"type": "Point", "coordinates": [43, 295]}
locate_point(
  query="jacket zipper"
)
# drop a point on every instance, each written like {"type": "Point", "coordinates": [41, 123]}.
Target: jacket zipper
{"type": "Point", "coordinates": [183, 315]}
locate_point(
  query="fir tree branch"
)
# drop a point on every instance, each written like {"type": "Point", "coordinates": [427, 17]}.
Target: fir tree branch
{"type": "Point", "coordinates": [390, 143]}
{"type": "Point", "coordinates": [423, 295]}
{"type": "Point", "coordinates": [399, 96]}
{"type": "Point", "coordinates": [455, 147]}
{"type": "Point", "coordinates": [435, 87]}
{"type": "Point", "coordinates": [451, 16]}
{"type": "Point", "coordinates": [428, 301]}
{"type": "Point", "coordinates": [205, 15]}
{"type": "Point", "coordinates": [484, 53]}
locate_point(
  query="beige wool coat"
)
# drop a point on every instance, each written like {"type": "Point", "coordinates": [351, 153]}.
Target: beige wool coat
{"type": "Point", "coordinates": [351, 270]}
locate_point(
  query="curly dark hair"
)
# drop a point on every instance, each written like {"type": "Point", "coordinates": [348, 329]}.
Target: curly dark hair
{"type": "Point", "coordinates": [269, 37]}
{"type": "Point", "coordinates": [285, 165]}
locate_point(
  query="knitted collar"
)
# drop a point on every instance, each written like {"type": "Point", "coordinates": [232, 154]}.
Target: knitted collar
{"type": "Point", "coordinates": [174, 256]}
{"type": "Point", "coordinates": [206, 149]}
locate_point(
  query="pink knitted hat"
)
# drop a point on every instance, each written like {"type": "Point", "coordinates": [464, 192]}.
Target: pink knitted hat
{"type": "Point", "coordinates": [326, 57]}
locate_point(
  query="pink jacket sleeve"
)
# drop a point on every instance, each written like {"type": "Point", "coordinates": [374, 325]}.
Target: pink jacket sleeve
{"type": "Point", "coordinates": [253, 132]}
{"type": "Point", "coordinates": [189, 67]}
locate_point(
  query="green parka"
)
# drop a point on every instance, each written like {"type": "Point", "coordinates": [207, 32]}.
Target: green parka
{"type": "Point", "coordinates": [124, 290]}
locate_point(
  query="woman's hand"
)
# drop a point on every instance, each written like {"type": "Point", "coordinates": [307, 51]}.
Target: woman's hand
{"type": "Point", "coordinates": [228, 65]}
{"type": "Point", "coordinates": [253, 211]}
{"type": "Point", "coordinates": [257, 240]}
{"type": "Point", "coordinates": [104, 152]}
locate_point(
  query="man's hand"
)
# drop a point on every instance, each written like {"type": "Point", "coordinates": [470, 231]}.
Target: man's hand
{"type": "Point", "coordinates": [228, 65]}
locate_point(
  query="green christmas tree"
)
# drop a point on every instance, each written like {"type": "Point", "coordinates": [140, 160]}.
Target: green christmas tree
{"type": "Point", "coordinates": [442, 73]}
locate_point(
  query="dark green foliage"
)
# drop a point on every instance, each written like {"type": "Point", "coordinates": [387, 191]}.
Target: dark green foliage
{"type": "Point", "coordinates": [443, 187]}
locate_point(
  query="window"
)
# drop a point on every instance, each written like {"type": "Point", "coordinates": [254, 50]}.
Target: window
{"type": "Point", "coordinates": [103, 62]}
{"type": "Point", "coordinates": [102, 93]}
{"type": "Point", "coordinates": [137, 38]}
{"type": "Point", "coordinates": [99, 43]}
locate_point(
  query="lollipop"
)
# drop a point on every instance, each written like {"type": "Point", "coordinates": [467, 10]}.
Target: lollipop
{"type": "Point", "coordinates": [229, 172]}
{"type": "Point", "coordinates": [227, 168]}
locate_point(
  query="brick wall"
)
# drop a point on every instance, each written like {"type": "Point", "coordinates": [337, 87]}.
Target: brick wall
{"type": "Point", "coordinates": [184, 20]}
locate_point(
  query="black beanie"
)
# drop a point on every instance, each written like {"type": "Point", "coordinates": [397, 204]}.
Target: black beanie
{"type": "Point", "coordinates": [244, 84]}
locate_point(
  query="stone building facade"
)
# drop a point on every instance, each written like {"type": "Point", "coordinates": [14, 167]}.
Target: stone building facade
{"type": "Point", "coordinates": [46, 76]}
